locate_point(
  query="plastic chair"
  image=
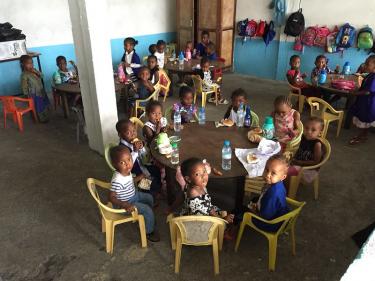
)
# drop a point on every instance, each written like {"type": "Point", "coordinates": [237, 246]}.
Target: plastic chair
{"type": "Point", "coordinates": [324, 110]}
{"type": "Point", "coordinates": [9, 107]}
{"type": "Point", "coordinates": [136, 122]}
{"type": "Point", "coordinates": [218, 72]}
{"type": "Point", "coordinates": [254, 119]}
{"type": "Point", "coordinates": [139, 104]}
{"type": "Point", "coordinates": [107, 156]}
{"type": "Point", "coordinates": [292, 146]}
{"type": "Point", "coordinates": [288, 225]}
{"type": "Point", "coordinates": [295, 181]}
{"type": "Point", "coordinates": [197, 231]}
{"type": "Point", "coordinates": [112, 217]}
{"type": "Point", "coordinates": [254, 185]}
{"type": "Point", "coordinates": [198, 89]}
{"type": "Point", "coordinates": [165, 83]}
{"type": "Point", "coordinates": [295, 92]}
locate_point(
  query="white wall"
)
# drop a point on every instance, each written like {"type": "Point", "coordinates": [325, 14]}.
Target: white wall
{"type": "Point", "coordinates": [47, 22]}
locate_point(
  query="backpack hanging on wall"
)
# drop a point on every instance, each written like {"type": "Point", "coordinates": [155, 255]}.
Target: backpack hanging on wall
{"type": "Point", "coordinates": [321, 36]}
{"type": "Point", "coordinates": [251, 28]}
{"type": "Point", "coordinates": [260, 28]}
{"type": "Point", "coordinates": [345, 37]}
{"type": "Point", "coordinates": [365, 38]}
{"type": "Point", "coordinates": [331, 41]}
{"type": "Point", "coordinates": [295, 24]}
{"type": "Point", "coordinates": [309, 35]}
{"type": "Point", "coordinates": [269, 33]}
{"type": "Point", "coordinates": [241, 27]}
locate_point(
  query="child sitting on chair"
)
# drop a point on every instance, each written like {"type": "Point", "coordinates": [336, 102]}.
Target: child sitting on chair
{"type": "Point", "coordinates": [152, 64]}
{"type": "Point", "coordinates": [310, 151]}
{"type": "Point", "coordinates": [210, 51]}
{"type": "Point", "coordinates": [123, 193]}
{"type": "Point", "coordinates": [296, 79]}
{"type": "Point", "coordinates": [143, 88]}
{"type": "Point", "coordinates": [198, 201]}
{"type": "Point", "coordinates": [156, 122]}
{"type": "Point", "coordinates": [238, 96]}
{"type": "Point", "coordinates": [271, 203]}
{"type": "Point", "coordinates": [159, 54]}
{"type": "Point", "coordinates": [142, 167]}
{"type": "Point", "coordinates": [286, 119]}
{"type": "Point", "coordinates": [320, 64]}
{"type": "Point", "coordinates": [186, 105]}
{"type": "Point", "coordinates": [208, 85]}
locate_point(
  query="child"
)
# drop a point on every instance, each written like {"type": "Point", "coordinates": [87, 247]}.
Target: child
{"type": "Point", "coordinates": [32, 87]}
{"type": "Point", "coordinates": [155, 123]}
{"type": "Point", "coordinates": [286, 119]}
{"type": "Point", "coordinates": [189, 48]}
{"type": "Point", "coordinates": [201, 47]}
{"type": "Point", "coordinates": [206, 75]}
{"type": "Point", "coordinates": [152, 49]}
{"type": "Point", "coordinates": [271, 203]}
{"type": "Point", "coordinates": [159, 54]}
{"type": "Point", "coordinates": [238, 96]}
{"type": "Point", "coordinates": [210, 51]}
{"type": "Point", "coordinates": [123, 194]}
{"type": "Point", "coordinates": [295, 78]}
{"type": "Point", "coordinates": [198, 201]}
{"type": "Point", "coordinates": [130, 59]}
{"type": "Point", "coordinates": [363, 110]}
{"type": "Point", "coordinates": [152, 64]}
{"type": "Point", "coordinates": [310, 149]}
{"type": "Point", "coordinates": [128, 137]}
{"type": "Point", "coordinates": [186, 106]}
{"type": "Point", "coordinates": [320, 64]}
{"type": "Point", "coordinates": [144, 85]}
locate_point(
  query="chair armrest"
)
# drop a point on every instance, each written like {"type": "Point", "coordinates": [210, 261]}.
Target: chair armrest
{"type": "Point", "coordinates": [23, 99]}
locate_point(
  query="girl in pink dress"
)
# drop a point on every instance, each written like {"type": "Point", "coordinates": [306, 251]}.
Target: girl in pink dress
{"type": "Point", "coordinates": [286, 119]}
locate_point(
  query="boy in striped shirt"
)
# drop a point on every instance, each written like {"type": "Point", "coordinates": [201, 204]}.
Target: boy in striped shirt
{"type": "Point", "coordinates": [123, 193]}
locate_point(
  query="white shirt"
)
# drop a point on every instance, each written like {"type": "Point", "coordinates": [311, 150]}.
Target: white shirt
{"type": "Point", "coordinates": [123, 186]}
{"type": "Point", "coordinates": [128, 59]}
{"type": "Point", "coordinates": [160, 58]}
{"type": "Point", "coordinates": [135, 155]}
{"type": "Point", "coordinates": [233, 116]}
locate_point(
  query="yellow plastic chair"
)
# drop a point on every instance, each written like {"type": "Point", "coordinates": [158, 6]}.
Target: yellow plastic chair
{"type": "Point", "coordinates": [295, 92]}
{"type": "Point", "coordinates": [288, 225]}
{"type": "Point", "coordinates": [144, 60]}
{"type": "Point", "coordinates": [254, 119]}
{"type": "Point", "coordinates": [163, 77]}
{"type": "Point", "coordinates": [112, 217]}
{"type": "Point", "coordinates": [198, 89]}
{"type": "Point", "coordinates": [292, 146]}
{"type": "Point", "coordinates": [136, 122]}
{"type": "Point", "coordinates": [324, 110]}
{"type": "Point", "coordinates": [153, 96]}
{"type": "Point", "coordinates": [254, 185]}
{"type": "Point", "coordinates": [295, 181]}
{"type": "Point", "coordinates": [197, 231]}
{"type": "Point", "coordinates": [107, 156]}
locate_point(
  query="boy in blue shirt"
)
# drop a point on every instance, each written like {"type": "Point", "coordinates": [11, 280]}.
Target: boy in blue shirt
{"type": "Point", "coordinates": [272, 201]}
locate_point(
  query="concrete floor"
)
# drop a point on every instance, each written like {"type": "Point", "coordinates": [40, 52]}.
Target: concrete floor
{"type": "Point", "coordinates": [50, 226]}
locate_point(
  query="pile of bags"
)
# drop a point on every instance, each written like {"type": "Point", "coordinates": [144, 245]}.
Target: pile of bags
{"type": "Point", "coordinates": [8, 33]}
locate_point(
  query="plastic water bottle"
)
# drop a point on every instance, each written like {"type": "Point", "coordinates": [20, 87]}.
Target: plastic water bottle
{"type": "Point", "coordinates": [322, 76]}
{"type": "Point", "coordinates": [202, 116]}
{"type": "Point", "coordinates": [240, 116]}
{"type": "Point", "coordinates": [181, 60]}
{"type": "Point", "coordinates": [268, 128]}
{"type": "Point", "coordinates": [177, 119]}
{"type": "Point", "coordinates": [175, 158]}
{"type": "Point", "coordinates": [346, 68]}
{"type": "Point", "coordinates": [57, 78]}
{"type": "Point", "coordinates": [247, 122]}
{"type": "Point", "coordinates": [226, 155]}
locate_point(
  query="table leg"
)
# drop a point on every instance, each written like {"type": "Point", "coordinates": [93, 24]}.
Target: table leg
{"type": "Point", "coordinates": [65, 104]}
{"type": "Point", "coordinates": [348, 116]}
{"type": "Point", "coordinates": [40, 69]}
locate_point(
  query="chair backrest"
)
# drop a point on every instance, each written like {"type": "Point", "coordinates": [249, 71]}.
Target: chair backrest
{"type": "Point", "coordinates": [254, 185]}
{"type": "Point", "coordinates": [107, 155]}
{"type": "Point", "coordinates": [319, 106]}
{"type": "Point", "coordinates": [198, 230]}
{"type": "Point", "coordinates": [155, 94]}
{"type": "Point", "coordinates": [293, 145]}
{"type": "Point", "coordinates": [168, 114]}
{"type": "Point", "coordinates": [290, 218]}
{"type": "Point", "coordinates": [254, 119]}
{"type": "Point", "coordinates": [8, 104]}
{"type": "Point", "coordinates": [326, 154]}
{"type": "Point", "coordinates": [198, 83]}
{"type": "Point", "coordinates": [294, 90]}
{"type": "Point", "coordinates": [137, 122]}
{"type": "Point", "coordinates": [164, 81]}
{"type": "Point", "coordinates": [106, 211]}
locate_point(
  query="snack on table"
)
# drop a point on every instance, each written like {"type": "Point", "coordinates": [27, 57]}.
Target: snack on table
{"type": "Point", "coordinates": [254, 137]}
{"type": "Point", "coordinates": [257, 131]}
{"type": "Point", "coordinates": [217, 172]}
{"type": "Point", "coordinates": [228, 122]}
{"type": "Point", "coordinates": [145, 184]}
{"type": "Point", "coordinates": [252, 158]}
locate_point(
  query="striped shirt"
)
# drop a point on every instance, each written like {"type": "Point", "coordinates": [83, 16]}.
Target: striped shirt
{"type": "Point", "coordinates": [123, 186]}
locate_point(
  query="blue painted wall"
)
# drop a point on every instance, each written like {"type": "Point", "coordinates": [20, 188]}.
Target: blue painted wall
{"type": "Point", "coordinates": [253, 58]}
{"type": "Point", "coordinates": [10, 71]}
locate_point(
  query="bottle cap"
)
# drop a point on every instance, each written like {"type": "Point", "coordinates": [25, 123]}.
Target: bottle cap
{"type": "Point", "coordinates": [268, 120]}
{"type": "Point", "coordinates": [227, 143]}
{"type": "Point", "coordinates": [202, 109]}
{"type": "Point", "coordinates": [174, 144]}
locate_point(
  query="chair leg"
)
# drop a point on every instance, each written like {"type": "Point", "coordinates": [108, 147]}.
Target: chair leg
{"type": "Point", "coordinates": [293, 240]}
{"type": "Point", "coordinates": [142, 230]}
{"type": "Point", "coordinates": [245, 220]}
{"type": "Point", "coordinates": [5, 119]}
{"type": "Point", "coordinates": [272, 248]}
{"type": "Point", "coordinates": [293, 187]}
{"type": "Point", "coordinates": [103, 225]}
{"type": "Point", "coordinates": [178, 255]}
{"type": "Point", "coordinates": [172, 230]}
{"type": "Point", "coordinates": [165, 96]}
{"type": "Point", "coordinates": [204, 96]}
{"type": "Point", "coordinates": [221, 236]}
{"type": "Point", "coordinates": [339, 125]}
{"type": "Point", "coordinates": [215, 253]}
{"type": "Point", "coordinates": [301, 103]}
{"type": "Point", "coordinates": [216, 97]}
{"type": "Point", "coordinates": [316, 187]}
{"type": "Point", "coordinates": [20, 122]}
{"type": "Point", "coordinates": [109, 236]}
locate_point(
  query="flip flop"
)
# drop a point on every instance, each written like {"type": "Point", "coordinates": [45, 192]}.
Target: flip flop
{"type": "Point", "coordinates": [211, 100]}
{"type": "Point", "coordinates": [357, 140]}
{"type": "Point", "coordinates": [223, 101]}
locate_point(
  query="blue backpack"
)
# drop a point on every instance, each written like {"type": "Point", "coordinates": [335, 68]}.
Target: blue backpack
{"type": "Point", "coordinates": [345, 37]}
{"type": "Point", "coordinates": [269, 33]}
{"type": "Point", "coordinates": [241, 27]}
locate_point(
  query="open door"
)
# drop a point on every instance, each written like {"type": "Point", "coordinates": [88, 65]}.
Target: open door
{"type": "Point", "coordinates": [185, 23]}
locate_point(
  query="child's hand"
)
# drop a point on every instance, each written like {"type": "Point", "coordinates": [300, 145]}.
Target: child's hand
{"type": "Point", "coordinates": [138, 145]}
{"type": "Point", "coordinates": [229, 218]}
{"type": "Point", "coordinates": [127, 64]}
{"type": "Point", "coordinates": [128, 207]}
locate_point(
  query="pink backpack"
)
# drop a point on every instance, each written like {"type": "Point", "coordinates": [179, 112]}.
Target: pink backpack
{"type": "Point", "coordinates": [341, 84]}
{"type": "Point", "coordinates": [309, 35]}
{"type": "Point", "coordinates": [251, 28]}
{"type": "Point", "coordinates": [298, 45]}
{"type": "Point", "coordinates": [321, 36]}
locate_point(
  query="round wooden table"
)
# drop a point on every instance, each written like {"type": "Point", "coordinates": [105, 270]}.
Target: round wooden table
{"type": "Point", "coordinates": [206, 142]}
{"type": "Point", "coordinates": [65, 89]}
{"type": "Point", "coordinates": [189, 66]}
